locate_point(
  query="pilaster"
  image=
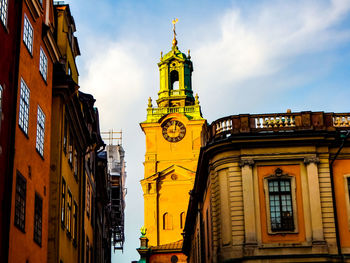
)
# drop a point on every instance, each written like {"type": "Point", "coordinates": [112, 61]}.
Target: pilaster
{"type": "Point", "coordinates": [315, 200]}
{"type": "Point", "coordinates": [248, 201]}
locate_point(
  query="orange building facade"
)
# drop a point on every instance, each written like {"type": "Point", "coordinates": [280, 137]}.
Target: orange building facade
{"type": "Point", "coordinates": [267, 187]}
{"type": "Point", "coordinates": [31, 168]}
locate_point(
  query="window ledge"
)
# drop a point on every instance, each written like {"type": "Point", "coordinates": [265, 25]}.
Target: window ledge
{"type": "Point", "coordinates": [20, 229]}
{"type": "Point", "coordinates": [36, 242]}
{"type": "Point", "coordinates": [286, 245]}
{"type": "Point", "coordinates": [25, 134]}
{"type": "Point", "coordinates": [45, 81]}
{"type": "Point", "coordinates": [41, 156]}
{"type": "Point", "coordinates": [282, 233]}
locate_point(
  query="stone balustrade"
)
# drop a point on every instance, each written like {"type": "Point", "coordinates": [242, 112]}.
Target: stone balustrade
{"type": "Point", "coordinates": [154, 114]}
{"type": "Point", "coordinates": [274, 121]}
{"type": "Point", "coordinates": [176, 92]}
{"type": "Point", "coordinates": [341, 120]}
{"type": "Point", "coordinates": [277, 122]}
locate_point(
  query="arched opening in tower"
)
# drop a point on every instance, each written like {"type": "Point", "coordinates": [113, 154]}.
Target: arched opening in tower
{"type": "Point", "coordinates": [174, 80]}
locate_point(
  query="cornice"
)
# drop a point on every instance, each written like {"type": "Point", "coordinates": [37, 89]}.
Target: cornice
{"type": "Point", "coordinates": [35, 8]}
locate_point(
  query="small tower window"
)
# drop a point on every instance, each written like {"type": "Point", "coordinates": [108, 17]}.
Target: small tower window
{"type": "Point", "coordinates": [174, 80]}
{"type": "Point", "coordinates": [167, 221]}
{"type": "Point", "coordinates": [182, 220]}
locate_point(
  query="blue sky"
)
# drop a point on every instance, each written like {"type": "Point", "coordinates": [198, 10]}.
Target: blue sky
{"type": "Point", "coordinates": [248, 56]}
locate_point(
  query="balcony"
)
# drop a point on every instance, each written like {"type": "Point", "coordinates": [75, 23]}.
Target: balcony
{"type": "Point", "coordinates": [276, 122]}
{"type": "Point", "coordinates": [154, 114]}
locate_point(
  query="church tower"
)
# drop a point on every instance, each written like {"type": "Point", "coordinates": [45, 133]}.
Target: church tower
{"type": "Point", "coordinates": [173, 140]}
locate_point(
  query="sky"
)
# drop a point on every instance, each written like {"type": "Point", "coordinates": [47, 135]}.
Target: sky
{"type": "Point", "coordinates": [248, 57]}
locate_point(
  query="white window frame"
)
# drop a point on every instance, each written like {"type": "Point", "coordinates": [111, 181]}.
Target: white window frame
{"type": "Point", "coordinates": [28, 34]}
{"type": "Point", "coordinates": [43, 64]}
{"type": "Point", "coordinates": [24, 106]}
{"type": "Point", "coordinates": [40, 132]}
{"type": "Point", "coordinates": [294, 204]}
{"type": "Point", "coordinates": [4, 11]}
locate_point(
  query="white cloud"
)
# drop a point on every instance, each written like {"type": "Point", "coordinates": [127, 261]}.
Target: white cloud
{"type": "Point", "coordinates": [243, 59]}
{"type": "Point", "coordinates": [116, 77]}
{"type": "Point", "coordinates": [265, 40]}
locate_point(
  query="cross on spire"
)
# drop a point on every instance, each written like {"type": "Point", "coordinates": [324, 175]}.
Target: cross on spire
{"type": "Point", "coordinates": [175, 20]}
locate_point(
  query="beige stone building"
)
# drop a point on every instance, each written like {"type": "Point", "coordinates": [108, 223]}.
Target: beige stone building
{"type": "Point", "coordinates": [266, 187]}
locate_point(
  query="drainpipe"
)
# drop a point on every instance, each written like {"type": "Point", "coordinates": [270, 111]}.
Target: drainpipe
{"type": "Point", "coordinates": [343, 137]}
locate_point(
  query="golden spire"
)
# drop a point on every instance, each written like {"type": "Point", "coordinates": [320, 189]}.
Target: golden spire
{"type": "Point", "coordinates": [174, 40]}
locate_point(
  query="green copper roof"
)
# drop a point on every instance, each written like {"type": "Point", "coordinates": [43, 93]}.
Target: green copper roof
{"type": "Point", "coordinates": [174, 53]}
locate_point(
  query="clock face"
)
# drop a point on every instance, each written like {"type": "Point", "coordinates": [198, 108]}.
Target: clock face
{"type": "Point", "coordinates": [173, 131]}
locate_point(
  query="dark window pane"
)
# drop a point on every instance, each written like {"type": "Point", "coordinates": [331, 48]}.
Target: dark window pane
{"type": "Point", "coordinates": [20, 201]}
{"type": "Point", "coordinates": [281, 210]}
{"type": "Point", "coordinates": [38, 210]}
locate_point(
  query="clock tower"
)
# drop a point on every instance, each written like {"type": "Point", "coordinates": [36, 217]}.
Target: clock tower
{"type": "Point", "coordinates": [173, 140]}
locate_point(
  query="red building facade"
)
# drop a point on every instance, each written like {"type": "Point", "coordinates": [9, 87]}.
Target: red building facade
{"type": "Point", "coordinates": [10, 12]}
{"type": "Point", "coordinates": [37, 52]}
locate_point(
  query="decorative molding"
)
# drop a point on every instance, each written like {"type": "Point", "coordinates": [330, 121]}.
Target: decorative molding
{"type": "Point", "coordinates": [244, 162]}
{"type": "Point", "coordinates": [51, 44]}
{"type": "Point", "coordinates": [279, 174]}
{"type": "Point", "coordinates": [311, 159]}
{"type": "Point", "coordinates": [227, 162]}
{"type": "Point", "coordinates": [35, 8]}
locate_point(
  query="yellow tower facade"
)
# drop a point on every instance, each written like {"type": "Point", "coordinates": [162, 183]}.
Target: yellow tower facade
{"type": "Point", "coordinates": [173, 140]}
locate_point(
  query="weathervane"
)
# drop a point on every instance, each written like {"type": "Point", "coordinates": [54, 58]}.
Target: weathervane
{"type": "Point", "coordinates": [174, 40]}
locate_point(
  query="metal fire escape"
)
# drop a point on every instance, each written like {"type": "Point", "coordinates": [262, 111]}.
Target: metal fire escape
{"type": "Point", "coordinates": [117, 193]}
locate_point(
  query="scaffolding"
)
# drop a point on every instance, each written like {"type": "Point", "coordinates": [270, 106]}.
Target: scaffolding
{"type": "Point", "coordinates": [117, 193]}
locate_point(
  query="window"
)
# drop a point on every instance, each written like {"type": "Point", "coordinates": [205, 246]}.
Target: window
{"type": "Point", "coordinates": [63, 202]}
{"type": "Point", "coordinates": [1, 90]}
{"type": "Point", "coordinates": [182, 220]}
{"type": "Point", "coordinates": [174, 80]}
{"type": "Point", "coordinates": [75, 163]}
{"type": "Point", "coordinates": [87, 199]}
{"type": "Point", "coordinates": [20, 201]}
{"type": "Point", "coordinates": [92, 200]}
{"type": "Point", "coordinates": [348, 181]}
{"type": "Point", "coordinates": [43, 64]}
{"type": "Point", "coordinates": [69, 71]}
{"type": "Point", "coordinates": [38, 211]}
{"type": "Point", "coordinates": [70, 149]}
{"type": "Point", "coordinates": [28, 34]}
{"type": "Point", "coordinates": [208, 237]}
{"type": "Point", "coordinates": [24, 107]}
{"type": "Point", "coordinates": [281, 209]}
{"type": "Point", "coordinates": [87, 249]}
{"type": "Point", "coordinates": [65, 129]}
{"type": "Point", "coordinates": [167, 222]}
{"type": "Point", "coordinates": [3, 11]}
{"type": "Point", "coordinates": [75, 222]}
{"type": "Point", "coordinates": [69, 212]}
{"type": "Point", "coordinates": [40, 132]}
{"type": "Point", "coordinates": [347, 196]}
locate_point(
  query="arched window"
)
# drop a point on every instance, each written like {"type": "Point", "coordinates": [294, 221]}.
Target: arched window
{"type": "Point", "coordinates": [174, 80]}
{"type": "Point", "coordinates": [167, 221]}
{"type": "Point", "coordinates": [182, 220]}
